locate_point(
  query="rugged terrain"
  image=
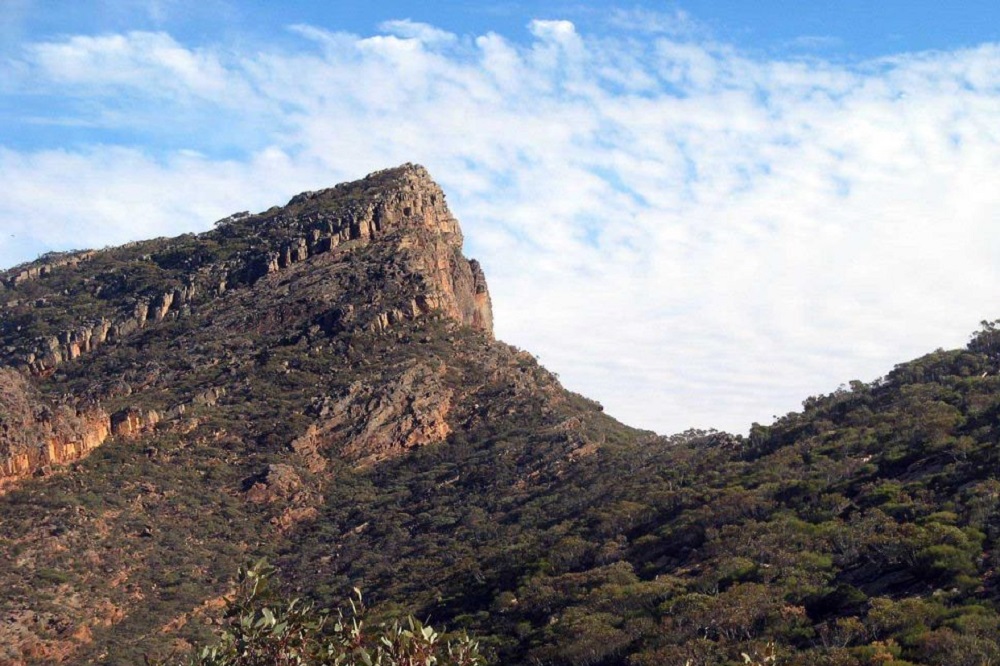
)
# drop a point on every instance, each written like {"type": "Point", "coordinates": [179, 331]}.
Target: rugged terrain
{"type": "Point", "coordinates": [319, 384]}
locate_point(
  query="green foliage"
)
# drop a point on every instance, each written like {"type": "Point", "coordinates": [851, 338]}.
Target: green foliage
{"type": "Point", "coordinates": [263, 631]}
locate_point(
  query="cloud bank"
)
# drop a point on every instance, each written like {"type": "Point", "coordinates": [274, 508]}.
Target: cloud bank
{"type": "Point", "coordinates": [693, 235]}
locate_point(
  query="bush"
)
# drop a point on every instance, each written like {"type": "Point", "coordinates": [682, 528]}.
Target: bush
{"type": "Point", "coordinates": [262, 632]}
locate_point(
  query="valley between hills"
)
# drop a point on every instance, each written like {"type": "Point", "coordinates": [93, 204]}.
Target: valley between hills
{"type": "Point", "coordinates": [319, 385]}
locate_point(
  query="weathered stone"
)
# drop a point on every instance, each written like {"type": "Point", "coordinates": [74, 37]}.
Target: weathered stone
{"type": "Point", "coordinates": [162, 305]}
{"type": "Point", "coordinates": [373, 422]}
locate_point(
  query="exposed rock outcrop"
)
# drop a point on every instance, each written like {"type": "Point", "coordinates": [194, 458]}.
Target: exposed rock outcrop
{"type": "Point", "coordinates": [44, 266]}
{"type": "Point", "coordinates": [401, 206]}
{"type": "Point", "coordinates": [47, 353]}
{"type": "Point", "coordinates": [380, 420]}
{"type": "Point", "coordinates": [387, 420]}
{"type": "Point", "coordinates": [35, 436]}
{"type": "Point", "coordinates": [276, 482]}
{"type": "Point", "coordinates": [132, 422]}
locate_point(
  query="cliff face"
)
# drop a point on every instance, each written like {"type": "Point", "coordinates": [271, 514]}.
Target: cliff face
{"type": "Point", "coordinates": [402, 209]}
{"type": "Point", "coordinates": [35, 435]}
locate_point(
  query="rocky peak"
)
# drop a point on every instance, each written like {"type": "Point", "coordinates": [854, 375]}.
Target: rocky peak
{"type": "Point", "coordinates": [108, 296]}
{"type": "Point", "coordinates": [405, 207]}
{"type": "Point", "coordinates": [401, 198]}
{"type": "Point", "coordinates": [401, 209]}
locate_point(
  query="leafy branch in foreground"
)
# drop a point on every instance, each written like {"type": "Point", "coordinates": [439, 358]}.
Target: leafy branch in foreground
{"type": "Point", "coordinates": [263, 631]}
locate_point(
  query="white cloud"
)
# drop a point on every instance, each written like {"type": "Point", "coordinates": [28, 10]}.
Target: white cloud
{"type": "Point", "coordinates": [694, 236]}
{"type": "Point", "coordinates": [153, 62]}
{"type": "Point", "coordinates": [421, 32]}
{"type": "Point", "coordinates": [556, 31]}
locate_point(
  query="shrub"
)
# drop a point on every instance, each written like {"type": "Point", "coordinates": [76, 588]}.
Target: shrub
{"type": "Point", "coordinates": [264, 632]}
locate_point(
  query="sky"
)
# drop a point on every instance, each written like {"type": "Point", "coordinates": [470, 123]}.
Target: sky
{"type": "Point", "coordinates": [697, 213]}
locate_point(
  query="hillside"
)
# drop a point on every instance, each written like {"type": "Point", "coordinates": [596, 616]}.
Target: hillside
{"type": "Point", "coordinates": [319, 384]}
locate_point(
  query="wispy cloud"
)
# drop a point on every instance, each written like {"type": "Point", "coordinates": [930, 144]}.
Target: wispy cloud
{"type": "Point", "coordinates": [676, 23]}
{"type": "Point", "coordinates": [815, 42]}
{"type": "Point", "coordinates": [423, 32]}
{"type": "Point", "coordinates": [690, 234]}
{"type": "Point", "coordinates": [153, 63]}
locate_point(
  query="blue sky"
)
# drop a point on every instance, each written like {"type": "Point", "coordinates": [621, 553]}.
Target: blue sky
{"type": "Point", "coordinates": [698, 213]}
{"type": "Point", "coordinates": [846, 30]}
{"type": "Point", "coordinates": [851, 28]}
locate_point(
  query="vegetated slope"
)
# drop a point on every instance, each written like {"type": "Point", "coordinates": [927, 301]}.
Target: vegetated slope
{"type": "Point", "coordinates": [318, 384]}
{"type": "Point", "coordinates": [862, 530]}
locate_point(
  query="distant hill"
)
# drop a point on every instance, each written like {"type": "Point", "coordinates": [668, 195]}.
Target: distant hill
{"type": "Point", "coordinates": [318, 384]}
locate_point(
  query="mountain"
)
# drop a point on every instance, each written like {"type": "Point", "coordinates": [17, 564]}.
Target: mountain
{"type": "Point", "coordinates": [318, 384]}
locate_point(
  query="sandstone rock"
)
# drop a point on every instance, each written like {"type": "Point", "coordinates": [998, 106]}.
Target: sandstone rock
{"type": "Point", "coordinates": [132, 422]}
{"type": "Point", "coordinates": [35, 435]}
{"type": "Point", "coordinates": [162, 305]}
{"type": "Point", "coordinates": [307, 447]}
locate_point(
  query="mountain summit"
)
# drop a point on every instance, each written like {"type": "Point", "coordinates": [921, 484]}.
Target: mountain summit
{"type": "Point", "coordinates": [403, 210]}
{"type": "Point", "coordinates": [263, 270]}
